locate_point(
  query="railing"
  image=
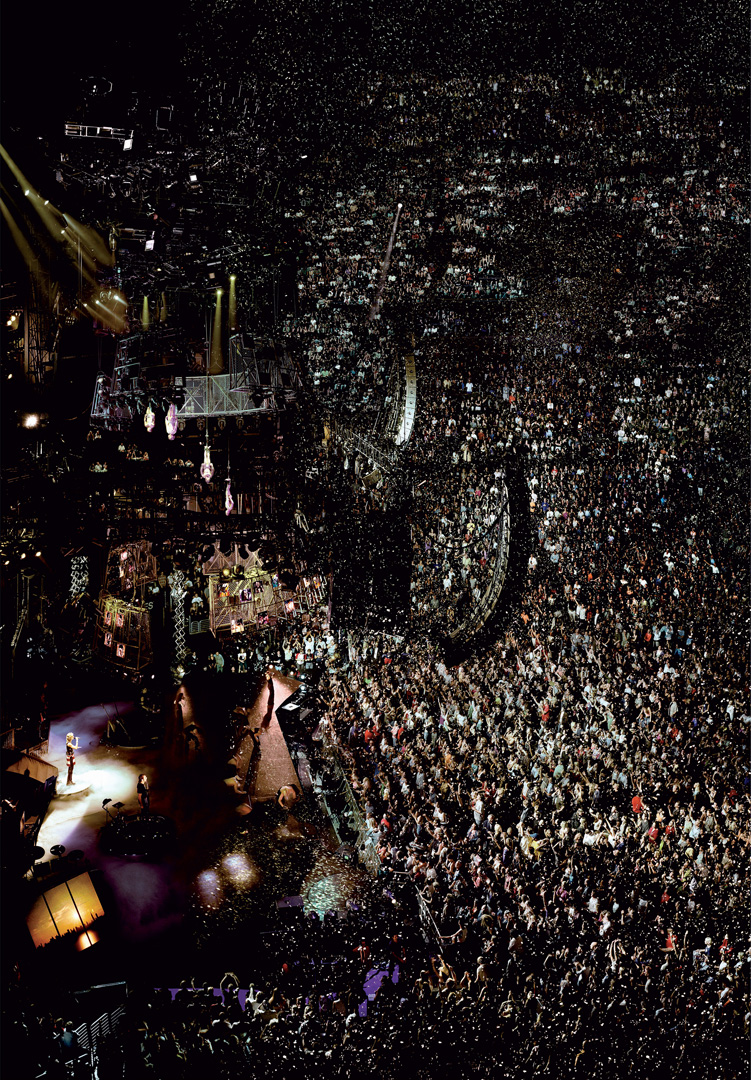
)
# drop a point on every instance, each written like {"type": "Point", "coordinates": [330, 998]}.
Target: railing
{"type": "Point", "coordinates": [367, 853]}
{"type": "Point", "coordinates": [89, 1033]}
{"type": "Point", "coordinates": [16, 738]}
{"type": "Point", "coordinates": [94, 131]}
{"type": "Point", "coordinates": [386, 457]}
{"type": "Point", "coordinates": [365, 847]}
{"type": "Point", "coordinates": [481, 612]}
{"type": "Point", "coordinates": [423, 909]}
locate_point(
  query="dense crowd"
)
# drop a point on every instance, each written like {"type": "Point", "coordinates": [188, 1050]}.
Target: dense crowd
{"type": "Point", "coordinates": [572, 803]}
{"type": "Point", "coordinates": [479, 167]}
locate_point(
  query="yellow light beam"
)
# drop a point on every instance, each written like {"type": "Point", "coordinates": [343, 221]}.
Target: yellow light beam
{"type": "Point", "coordinates": [216, 366]}
{"type": "Point", "coordinates": [232, 311]}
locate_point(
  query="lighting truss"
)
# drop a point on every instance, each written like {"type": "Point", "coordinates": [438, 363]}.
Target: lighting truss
{"type": "Point", "coordinates": [79, 575]}
{"type": "Point", "coordinates": [178, 592]}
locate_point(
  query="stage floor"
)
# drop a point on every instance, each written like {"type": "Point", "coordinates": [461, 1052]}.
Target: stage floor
{"type": "Point", "coordinates": [272, 768]}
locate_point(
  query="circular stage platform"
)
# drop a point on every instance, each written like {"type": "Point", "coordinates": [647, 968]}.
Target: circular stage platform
{"type": "Point", "coordinates": [81, 786]}
{"type": "Point", "coordinates": [135, 836]}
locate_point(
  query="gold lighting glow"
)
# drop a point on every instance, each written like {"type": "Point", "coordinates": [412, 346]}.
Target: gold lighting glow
{"type": "Point", "coordinates": [41, 232]}
{"type": "Point", "coordinates": [232, 311]}
{"type": "Point", "coordinates": [217, 360]}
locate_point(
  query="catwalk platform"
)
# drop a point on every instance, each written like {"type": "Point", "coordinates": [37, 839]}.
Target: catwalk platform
{"type": "Point", "coordinates": [262, 761]}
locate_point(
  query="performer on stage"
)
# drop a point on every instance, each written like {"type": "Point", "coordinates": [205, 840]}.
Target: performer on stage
{"type": "Point", "coordinates": [287, 796]}
{"type": "Point", "coordinates": [71, 745]}
{"type": "Point", "coordinates": [270, 705]}
{"type": "Point", "coordinates": [144, 798]}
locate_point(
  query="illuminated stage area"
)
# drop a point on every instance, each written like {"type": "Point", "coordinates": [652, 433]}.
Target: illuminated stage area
{"type": "Point", "coordinates": [211, 849]}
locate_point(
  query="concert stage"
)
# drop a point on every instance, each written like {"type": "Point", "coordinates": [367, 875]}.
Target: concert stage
{"type": "Point", "coordinates": [179, 882]}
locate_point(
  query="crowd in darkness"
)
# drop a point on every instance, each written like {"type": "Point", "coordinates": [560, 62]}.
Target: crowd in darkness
{"type": "Point", "coordinates": [619, 211]}
{"type": "Point", "coordinates": [571, 802]}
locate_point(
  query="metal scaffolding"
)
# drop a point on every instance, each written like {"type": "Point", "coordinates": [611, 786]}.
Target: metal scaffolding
{"type": "Point", "coordinates": [178, 590]}
{"type": "Point", "coordinates": [42, 328]}
{"type": "Point", "coordinates": [262, 378]}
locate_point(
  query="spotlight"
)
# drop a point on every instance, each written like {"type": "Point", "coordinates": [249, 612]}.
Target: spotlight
{"type": "Point", "coordinates": [38, 554]}
{"type": "Point", "coordinates": [23, 554]}
{"type": "Point", "coordinates": [31, 420]}
{"type": "Point", "coordinates": [225, 571]}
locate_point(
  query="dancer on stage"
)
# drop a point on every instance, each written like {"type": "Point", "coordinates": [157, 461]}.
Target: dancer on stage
{"type": "Point", "coordinates": [287, 796]}
{"type": "Point", "coordinates": [270, 705]}
{"type": "Point", "coordinates": [71, 745]}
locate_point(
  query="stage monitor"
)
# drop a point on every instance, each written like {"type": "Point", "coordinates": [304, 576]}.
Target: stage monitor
{"type": "Point", "coordinates": [66, 908]}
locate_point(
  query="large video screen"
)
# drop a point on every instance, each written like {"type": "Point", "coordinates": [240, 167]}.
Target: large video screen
{"type": "Point", "coordinates": [72, 906]}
